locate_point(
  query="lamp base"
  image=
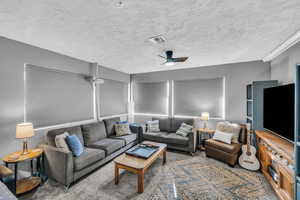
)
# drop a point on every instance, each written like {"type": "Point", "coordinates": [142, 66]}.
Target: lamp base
{"type": "Point", "coordinates": [204, 125]}
{"type": "Point", "coordinates": [25, 148]}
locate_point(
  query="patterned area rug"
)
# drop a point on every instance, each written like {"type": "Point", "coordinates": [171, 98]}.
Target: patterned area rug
{"type": "Point", "coordinates": [183, 178]}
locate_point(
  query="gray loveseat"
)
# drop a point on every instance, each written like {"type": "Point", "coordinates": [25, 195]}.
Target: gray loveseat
{"type": "Point", "coordinates": [101, 145]}
{"type": "Point", "coordinates": [167, 135]}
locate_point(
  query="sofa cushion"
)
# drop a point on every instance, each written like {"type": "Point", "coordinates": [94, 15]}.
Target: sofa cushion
{"type": "Point", "coordinates": [176, 123]}
{"type": "Point", "coordinates": [155, 136]}
{"type": "Point", "coordinates": [93, 132]}
{"type": "Point", "coordinates": [229, 148]}
{"type": "Point", "coordinates": [110, 125]}
{"type": "Point", "coordinates": [88, 157]}
{"type": "Point", "coordinates": [76, 130]}
{"type": "Point", "coordinates": [109, 145]}
{"type": "Point", "coordinates": [173, 138]}
{"type": "Point", "coordinates": [127, 138]}
{"type": "Point", "coordinates": [164, 123]}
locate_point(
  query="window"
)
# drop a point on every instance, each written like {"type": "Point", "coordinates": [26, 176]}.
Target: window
{"type": "Point", "coordinates": [151, 98]}
{"type": "Point", "coordinates": [192, 97]}
{"type": "Point", "coordinates": [55, 97]}
{"type": "Point", "coordinates": [113, 97]}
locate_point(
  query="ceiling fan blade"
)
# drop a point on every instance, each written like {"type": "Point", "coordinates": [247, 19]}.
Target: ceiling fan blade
{"type": "Point", "coordinates": [162, 56]}
{"type": "Point", "coordinates": [163, 63]}
{"type": "Point", "coordinates": [180, 59]}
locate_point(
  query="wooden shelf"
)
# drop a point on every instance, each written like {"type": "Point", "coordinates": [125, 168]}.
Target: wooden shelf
{"type": "Point", "coordinates": [27, 184]}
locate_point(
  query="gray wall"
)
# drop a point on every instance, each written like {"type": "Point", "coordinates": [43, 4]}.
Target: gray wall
{"type": "Point", "coordinates": [12, 58]}
{"type": "Point", "coordinates": [283, 67]}
{"type": "Point", "coordinates": [237, 76]}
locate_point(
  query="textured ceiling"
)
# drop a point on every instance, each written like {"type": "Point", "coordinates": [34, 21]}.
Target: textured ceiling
{"type": "Point", "coordinates": [209, 31]}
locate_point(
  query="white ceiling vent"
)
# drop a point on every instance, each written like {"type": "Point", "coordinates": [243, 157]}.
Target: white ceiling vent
{"type": "Point", "coordinates": [159, 39]}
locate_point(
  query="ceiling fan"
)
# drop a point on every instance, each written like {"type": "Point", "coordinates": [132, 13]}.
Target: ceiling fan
{"type": "Point", "coordinates": [170, 60]}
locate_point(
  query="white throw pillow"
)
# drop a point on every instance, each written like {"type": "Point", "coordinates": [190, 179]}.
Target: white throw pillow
{"type": "Point", "coordinates": [122, 129]}
{"type": "Point", "coordinates": [153, 126]}
{"type": "Point", "coordinates": [223, 136]}
{"type": "Point", "coordinates": [60, 142]}
{"type": "Point", "coordinates": [184, 129]}
{"type": "Point", "coordinates": [232, 128]}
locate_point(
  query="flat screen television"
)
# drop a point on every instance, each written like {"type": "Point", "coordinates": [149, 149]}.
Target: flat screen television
{"type": "Point", "coordinates": [279, 110]}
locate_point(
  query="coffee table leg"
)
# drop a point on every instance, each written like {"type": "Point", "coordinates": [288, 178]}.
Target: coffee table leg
{"type": "Point", "coordinates": [116, 174]}
{"type": "Point", "coordinates": [165, 157]}
{"type": "Point", "coordinates": [140, 182]}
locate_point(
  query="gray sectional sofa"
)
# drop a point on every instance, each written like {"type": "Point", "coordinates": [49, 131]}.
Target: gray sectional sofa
{"type": "Point", "coordinates": [101, 145]}
{"type": "Point", "coordinates": [167, 135]}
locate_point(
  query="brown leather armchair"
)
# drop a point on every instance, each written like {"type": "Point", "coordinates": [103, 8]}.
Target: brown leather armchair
{"type": "Point", "coordinates": [227, 153]}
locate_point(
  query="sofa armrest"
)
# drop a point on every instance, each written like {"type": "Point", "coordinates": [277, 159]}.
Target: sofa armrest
{"type": "Point", "coordinates": [58, 164]}
{"type": "Point", "coordinates": [192, 141]}
{"type": "Point", "coordinates": [137, 129]}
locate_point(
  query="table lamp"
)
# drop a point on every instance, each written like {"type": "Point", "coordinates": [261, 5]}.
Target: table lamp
{"type": "Point", "coordinates": [24, 131]}
{"type": "Point", "coordinates": [204, 118]}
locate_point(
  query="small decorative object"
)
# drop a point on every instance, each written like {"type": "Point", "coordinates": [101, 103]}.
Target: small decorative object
{"type": "Point", "coordinates": [24, 131]}
{"type": "Point", "coordinates": [205, 118]}
{"type": "Point", "coordinates": [15, 156]}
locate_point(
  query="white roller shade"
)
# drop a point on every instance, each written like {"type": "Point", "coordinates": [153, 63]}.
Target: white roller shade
{"type": "Point", "coordinates": [55, 97]}
{"type": "Point", "coordinates": [113, 98]}
{"type": "Point", "coordinates": [192, 97]}
{"type": "Point", "coordinates": [151, 98]}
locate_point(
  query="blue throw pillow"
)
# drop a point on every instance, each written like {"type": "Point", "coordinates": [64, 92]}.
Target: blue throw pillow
{"type": "Point", "coordinates": [75, 145]}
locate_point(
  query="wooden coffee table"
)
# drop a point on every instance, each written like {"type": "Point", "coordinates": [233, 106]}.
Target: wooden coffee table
{"type": "Point", "coordinates": [139, 165]}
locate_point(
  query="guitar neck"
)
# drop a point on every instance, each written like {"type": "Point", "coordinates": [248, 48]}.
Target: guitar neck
{"type": "Point", "coordinates": [248, 140]}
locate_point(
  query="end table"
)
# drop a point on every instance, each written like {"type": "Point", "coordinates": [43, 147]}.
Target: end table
{"type": "Point", "coordinates": [26, 184]}
{"type": "Point", "coordinates": [204, 134]}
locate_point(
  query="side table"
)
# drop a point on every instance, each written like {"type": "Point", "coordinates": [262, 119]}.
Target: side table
{"type": "Point", "coordinates": [26, 184]}
{"type": "Point", "coordinates": [204, 134]}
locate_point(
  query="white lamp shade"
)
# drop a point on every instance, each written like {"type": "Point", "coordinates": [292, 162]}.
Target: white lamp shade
{"type": "Point", "coordinates": [205, 116]}
{"type": "Point", "coordinates": [24, 130]}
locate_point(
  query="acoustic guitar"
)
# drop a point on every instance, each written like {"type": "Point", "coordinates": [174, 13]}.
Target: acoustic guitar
{"type": "Point", "coordinates": [248, 159]}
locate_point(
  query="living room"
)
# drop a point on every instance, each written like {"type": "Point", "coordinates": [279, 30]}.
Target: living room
{"type": "Point", "coordinates": [190, 86]}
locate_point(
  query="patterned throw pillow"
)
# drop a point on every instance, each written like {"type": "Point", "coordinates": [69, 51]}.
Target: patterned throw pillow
{"type": "Point", "coordinates": [232, 128]}
{"type": "Point", "coordinates": [184, 129]}
{"type": "Point", "coordinates": [153, 126]}
{"type": "Point", "coordinates": [60, 142]}
{"type": "Point", "coordinates": [122, 129]}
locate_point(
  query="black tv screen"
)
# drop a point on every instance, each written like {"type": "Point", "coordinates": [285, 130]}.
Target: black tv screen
{"type": "Point", "coordinates": [279, 110]}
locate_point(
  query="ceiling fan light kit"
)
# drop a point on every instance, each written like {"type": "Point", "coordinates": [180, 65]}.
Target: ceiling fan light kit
{"type": "Point", "coordinates": [169, 63]}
